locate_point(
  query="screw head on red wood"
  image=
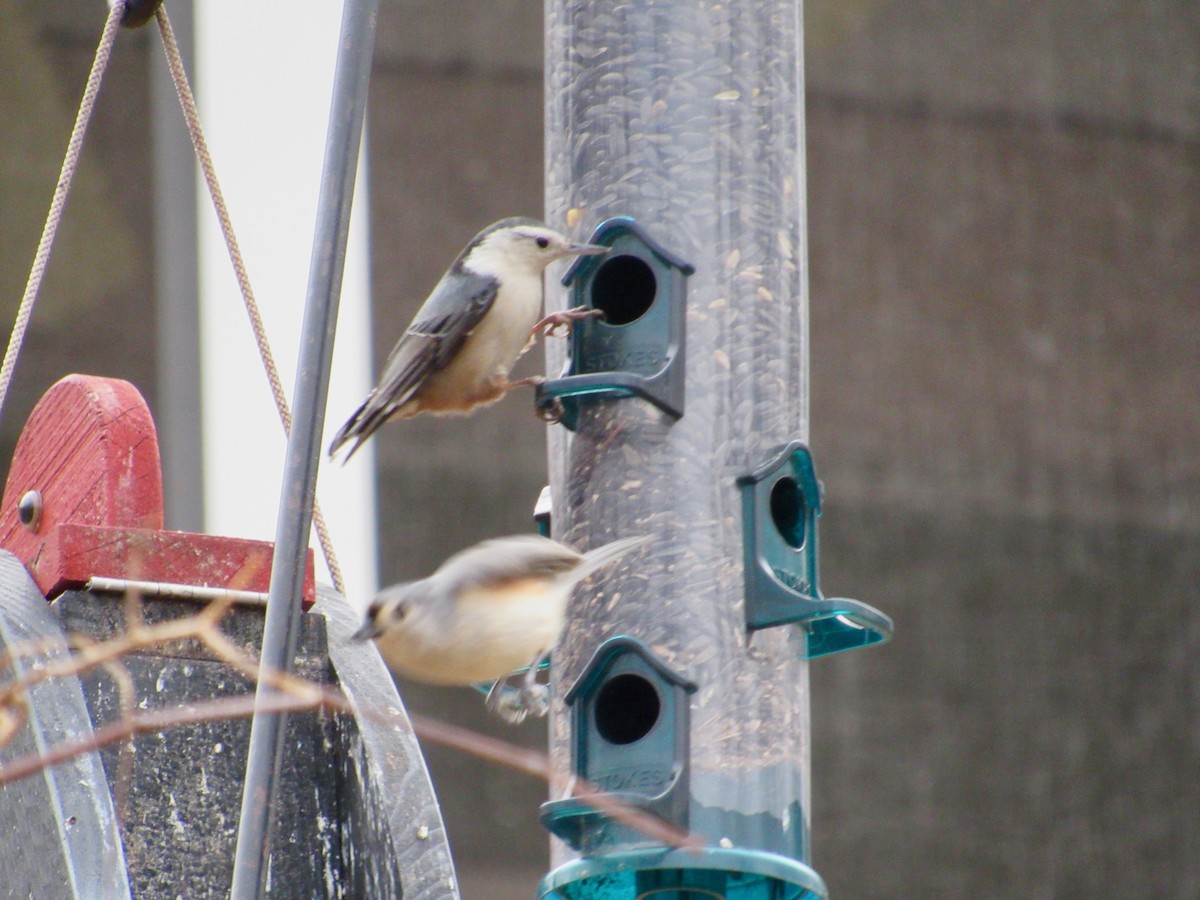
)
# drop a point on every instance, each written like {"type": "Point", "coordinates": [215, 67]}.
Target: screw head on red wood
{"type": "Point", "coordinates": [30, 510]}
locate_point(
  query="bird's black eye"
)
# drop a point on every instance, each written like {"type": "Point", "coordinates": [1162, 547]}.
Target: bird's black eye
{"type": "Point", "coordinates": [400, 611]}
{"type": "Point", "coordinates": [543, 242]}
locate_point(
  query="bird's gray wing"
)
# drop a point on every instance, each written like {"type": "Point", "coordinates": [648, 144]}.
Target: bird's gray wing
{"type": "Point", "coordinates": [454, 309]}
{"type": "Point", "coordinates": [446, 319]}
{"type": "Point", "coordinates": [500, 560]}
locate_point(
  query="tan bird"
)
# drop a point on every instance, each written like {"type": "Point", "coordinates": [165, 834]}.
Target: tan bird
{"type": "Point", "coordinates": [486, 612]}
{"type": "Point", "coordinates": [458, 352]}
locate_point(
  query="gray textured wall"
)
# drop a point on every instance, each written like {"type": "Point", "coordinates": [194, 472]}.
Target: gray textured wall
{"type": "Point", "coordinates": [1005, 248]}
{"type": "Point", "coordinates": [456, 143]}
{"type": "Point", "coordinates": [1005, 239]}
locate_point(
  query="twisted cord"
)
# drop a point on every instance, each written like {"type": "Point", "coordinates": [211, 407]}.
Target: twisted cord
{"type": "Point", "coordinates": [58, 202]}
{"type": "Point", "coordinates": [192, 117]}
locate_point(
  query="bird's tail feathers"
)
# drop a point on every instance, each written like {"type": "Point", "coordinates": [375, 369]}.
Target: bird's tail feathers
{"type": "Point", "coordinates": [361, 425]}
{"type": "Point", "coordinates": [345, 433]}
{"type": "Point", "coordinates": [597, 559]}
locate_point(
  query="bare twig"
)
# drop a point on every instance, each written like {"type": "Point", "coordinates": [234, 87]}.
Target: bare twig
{"type": "Point", "coordinates": [538, 765]}
{"type": "Point", "coordinates": [89, 654]}
{"type": "Point", "coordinates": [124, 681]}
{"type": "Point", "coordinates": [156, 720]}
{"type": "Point", "coordinates": [292, 694]}
{"type": "Point", "coordinates": [13, 715]}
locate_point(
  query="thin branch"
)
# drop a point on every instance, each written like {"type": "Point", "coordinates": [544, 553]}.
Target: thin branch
{"type": "Point", "coordinates": [127, 695]}
{"type": "Point", "coordinates": [292, 694]}
{"type": "Point", "coordinates": [538, 765]}
{"type": "Point", "coordinates": [156, 720]}
{"type": "Point", "coordinates": [89, 654]}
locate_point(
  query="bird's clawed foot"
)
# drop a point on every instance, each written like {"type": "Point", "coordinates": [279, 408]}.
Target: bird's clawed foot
{"type": "Point", "coordinates": [534, 695]}
{"type": "Point", "coordinates": [506, 702]}
{"type": "Point", "coordinates": [566, 319]}
{"type": "Point", "coordinates": [551, 412]}
{"type": "Point", "coordinates": [515, 704]}
{"type": "Point", "coordinates": [535, 698]}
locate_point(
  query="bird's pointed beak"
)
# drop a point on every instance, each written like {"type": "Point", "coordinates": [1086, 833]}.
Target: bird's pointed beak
{"type": "Point", "coordinates": [587, 249]}
{"type": "Point", "coordinates": [368, 631]}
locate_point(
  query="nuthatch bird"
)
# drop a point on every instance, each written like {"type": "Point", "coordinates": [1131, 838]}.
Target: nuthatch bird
{"type": "Point", "coordinates": [466, 337]}
{"type": "Point", "coordinates": [485, 613]}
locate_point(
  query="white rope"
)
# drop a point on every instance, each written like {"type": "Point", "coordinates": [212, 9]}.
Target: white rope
{"type": "Point", "coordinates": [192, 117]}
{"type": "Point", "coordinates": [54, 216]}
{"type": "Point", "coordinates": [41, 258]}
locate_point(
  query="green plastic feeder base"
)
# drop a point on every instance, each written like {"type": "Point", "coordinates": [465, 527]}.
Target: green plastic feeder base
{"type": "Point", "coordinates": [711, 873]}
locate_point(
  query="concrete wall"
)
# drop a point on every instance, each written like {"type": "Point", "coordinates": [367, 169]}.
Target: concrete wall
{"type": "Point", "coordinates": [455, 126]}
{"type": "Point", "coordinates": [1005, 253]}
{"type": "Point", "coordinates": [1005, 240]}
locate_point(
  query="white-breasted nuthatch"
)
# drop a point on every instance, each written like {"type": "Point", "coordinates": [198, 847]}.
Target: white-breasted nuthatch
{"type": "Point", "coordinates": [485, 613]}
{"type": "Point", "coordinates": [466, 337]}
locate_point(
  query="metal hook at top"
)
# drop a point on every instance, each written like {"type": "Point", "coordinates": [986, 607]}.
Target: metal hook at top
{"type": "Point", "coordinates": [137, 12]}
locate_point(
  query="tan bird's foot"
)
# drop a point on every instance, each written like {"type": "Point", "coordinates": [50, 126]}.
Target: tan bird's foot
{"type": "Point", "coordinates": [553, 412]}
{"type": "Point", "coordinates": [534, 695]}
{"type": "Point", "coordinates": [505, 701]}
{"type": "Point", "coordinates": [535, 698]}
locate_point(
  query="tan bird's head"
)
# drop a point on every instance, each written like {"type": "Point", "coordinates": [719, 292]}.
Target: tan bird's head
{"type": "Point", "coordinates": [520, 246]}
{"type": "Point", "coordinates": [382, 614]}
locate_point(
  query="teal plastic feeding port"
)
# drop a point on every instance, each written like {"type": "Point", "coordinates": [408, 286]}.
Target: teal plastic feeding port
{"type": "Point", "coordinates": [630, 722]}
{"type": "Point", "coordinates": [637, 349]}
{"type": "Point", "coordinates": [541, 512]}
{"type": "Point", "coordinates": [781, 502]}
{"type": "Point", "coordinates": [711, 873]}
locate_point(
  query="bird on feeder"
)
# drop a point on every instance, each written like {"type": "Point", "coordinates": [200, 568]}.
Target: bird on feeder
{"type": "Point", "coordinates": [477, 322]}
{"type": "Point", "coordinates": [487, 612]}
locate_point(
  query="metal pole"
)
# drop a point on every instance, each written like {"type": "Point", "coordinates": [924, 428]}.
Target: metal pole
{"type": "Point", "coordinates": [281, 629]}
{"type": "Point", "coordinates": [176, 275]}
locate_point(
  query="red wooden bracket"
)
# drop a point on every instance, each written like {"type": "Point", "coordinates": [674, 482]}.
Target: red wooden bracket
{"type": "Point", "coordinates": [84, 498]}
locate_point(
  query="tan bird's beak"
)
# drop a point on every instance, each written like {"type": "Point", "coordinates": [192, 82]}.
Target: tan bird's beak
{"type": "Point", "coordinates": [368, 631]}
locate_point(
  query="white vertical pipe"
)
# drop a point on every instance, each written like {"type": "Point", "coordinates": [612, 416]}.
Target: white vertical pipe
{"type": "Point", "coordinates": [264, 79]}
